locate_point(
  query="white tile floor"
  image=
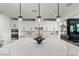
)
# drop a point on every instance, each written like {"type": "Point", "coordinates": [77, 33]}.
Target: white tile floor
{"type": "Point", "coordinates": [51, 46]}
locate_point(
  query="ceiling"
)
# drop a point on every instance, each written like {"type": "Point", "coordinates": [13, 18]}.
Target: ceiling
{"type": "Point", "coordinates": [48, 10]}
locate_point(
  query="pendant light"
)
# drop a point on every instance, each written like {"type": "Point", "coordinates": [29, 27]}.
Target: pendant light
{"type": "Point", "coordinates": [20, 17]}
{"type": "Point", "coordinates": [38, 17]}
{"type": "Point", "coordinates": [58, 20]}
{"type": "Point", "coordinates": [58, 16]}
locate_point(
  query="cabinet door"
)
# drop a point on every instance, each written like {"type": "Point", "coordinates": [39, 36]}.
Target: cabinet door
{"type": "Point", "coordinates": [71, 49]}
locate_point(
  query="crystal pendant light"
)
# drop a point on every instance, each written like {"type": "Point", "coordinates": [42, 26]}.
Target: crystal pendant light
{"type": "Point", "coordinates": [58, 21]}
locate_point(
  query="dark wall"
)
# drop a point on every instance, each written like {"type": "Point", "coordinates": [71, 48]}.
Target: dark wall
{"type": "Point", "coordinates": [73, 22]}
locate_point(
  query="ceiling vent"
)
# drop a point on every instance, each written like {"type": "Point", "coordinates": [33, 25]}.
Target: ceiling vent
{"type": "Point", "coordinates": [68, 4]}
{"type": "Point", "coordinates": [34, 10]}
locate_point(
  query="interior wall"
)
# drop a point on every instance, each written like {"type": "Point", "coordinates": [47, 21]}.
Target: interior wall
{"type": "Point", "coordinates": [47, 25]}
{"type": "Point", "coordinates": [30, 25]}
{"type": "Point", "coordinates": [5, 33]}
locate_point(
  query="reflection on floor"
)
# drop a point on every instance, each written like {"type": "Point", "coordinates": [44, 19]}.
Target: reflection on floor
{"type": "Point", "coordinates": [65, 38]}
{"type": "Point", "coordinates": [50, 46]}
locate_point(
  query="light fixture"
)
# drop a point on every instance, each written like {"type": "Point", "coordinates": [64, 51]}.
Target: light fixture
{"type": "Point", "coordinates": [20, 17]}
{"type": "Point", "coordinates": [39, 18]}
{"type": "Point", "coordinates": [58, 16]}
{"type": "Point", "coordinates": [57, 19]}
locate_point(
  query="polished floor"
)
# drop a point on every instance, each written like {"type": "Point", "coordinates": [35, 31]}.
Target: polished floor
{"type": "Point", "coordinates": [51, 46]}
